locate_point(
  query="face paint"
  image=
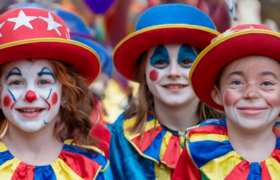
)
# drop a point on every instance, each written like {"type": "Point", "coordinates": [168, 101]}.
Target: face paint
{"type": "Point", "coordinates": [54, 99]}
{"type": "Point", "coordinates": [30, 84]}
{"type": "Point", "coordinates": [153, 75]}
{"type": "Point", "coordinates": [7, 101]}
{"type": "Point", "coordinates": [160, 58]}
{"type": "Point", "coordinates": [250, 91]}
{"type": "Point", "coordinates": [186, 56]}
{"type": "Point", "coordinates": [167, 79]}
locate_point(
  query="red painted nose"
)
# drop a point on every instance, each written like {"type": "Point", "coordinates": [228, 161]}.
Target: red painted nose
{"type": "Point", "coordinates": [30, 96]}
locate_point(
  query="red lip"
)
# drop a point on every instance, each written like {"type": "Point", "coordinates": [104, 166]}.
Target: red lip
{"type": "Point", "coordinates": [174, 87]}
{"type": "Point", "coordinates": [252, 110]}
{"type": "Point", "coordinates": [30, 112]}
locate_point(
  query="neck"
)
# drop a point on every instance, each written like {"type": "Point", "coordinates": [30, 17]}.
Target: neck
{"type": "Point", "coordinates": [252, 145]}
{"type": "Point", "coordinates": [177, 118]}
{"type": "Point", "coordinates": [36, 148]}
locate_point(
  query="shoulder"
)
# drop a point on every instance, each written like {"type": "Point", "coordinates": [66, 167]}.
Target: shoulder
{"type": "Point", "coordinates": [80, 157]}
{"type": "Point", "coordinates": [208, 129]}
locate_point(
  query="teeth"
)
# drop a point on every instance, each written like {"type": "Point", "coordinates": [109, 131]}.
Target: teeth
{"type": "Point", "coordinates": [30, 110]}
{"type": "Point", "coordinates": [174, 87]}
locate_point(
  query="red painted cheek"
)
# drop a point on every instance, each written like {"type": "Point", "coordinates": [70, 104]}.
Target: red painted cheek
{"type": "Point", "coordinates": [273, 101]}
{"type": "Point", "coordinates": [7, 100]}
{"type": "Point", "coordinates": [54, 98]}
{"type": "Point", "coordinates": [231, 98]}
{"type": "Point", "coordinates": [153, 75]}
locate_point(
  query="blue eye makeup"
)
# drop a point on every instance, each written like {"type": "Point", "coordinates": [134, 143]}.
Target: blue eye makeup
{"type": "Point", "coordinates": [186, 56]}
{"type": "Point", "coordinates": [160, 58]}
{"type": "Point", "coordinates": [46, 71]}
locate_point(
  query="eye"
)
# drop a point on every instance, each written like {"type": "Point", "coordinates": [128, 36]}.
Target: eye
{"type": "Point", "coordinates": [185, 63]}
{"type": "Point", "coordinates": [161, 64]}
{"type": "Point", "coordinates": [16, 83]}
{"type": "Point", "coordinates": [237, 83]}
{"type": "Point", "coordinates": [42, 82]}
{"type": "Point", "coordinates": [266, 83]}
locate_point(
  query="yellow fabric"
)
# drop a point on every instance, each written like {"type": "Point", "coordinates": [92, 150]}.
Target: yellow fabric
{"type": "Point", "coordinates": [164, 144]}
{"type": "Point", "coordinates": [8, 168]}
{"type": "Point", "coordinates": [220, 167]}
{"type": "Point", "coordinates": [3, 147]}
{"type": "Point", "coordinates": [130, 122]}
{"type": "Point", "coordinates": [206, 136]}
{"type": "Point", "coordinates": [162, 173]}
{"type": "Point", "coordinates": [63, 171]}
{"type": "Point", "coordinates": [273, 167]}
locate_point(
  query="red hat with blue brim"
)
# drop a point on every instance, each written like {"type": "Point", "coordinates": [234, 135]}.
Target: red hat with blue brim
{"type": "Point", "coordinates": [240, 41]}
{"type": "Point", "coordinates": [36, 33]}
{"type": "Point", "coordinates": [171, 23]}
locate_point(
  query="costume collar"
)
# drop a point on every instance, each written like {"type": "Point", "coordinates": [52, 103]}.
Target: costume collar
{"type": "Point", "coordinates": [210, 148]}
{"type": "Point", "coordinates": [158, 144]}
{"type": "Point", "coordinates": [73, 162]}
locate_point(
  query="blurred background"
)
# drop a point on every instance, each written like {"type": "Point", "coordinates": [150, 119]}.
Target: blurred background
{"type": "Point", "coordinates": [102, 24]}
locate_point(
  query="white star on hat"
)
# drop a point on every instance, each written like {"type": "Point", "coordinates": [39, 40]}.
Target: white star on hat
{"type": "Point", "coordinates": [22, 19]}
{"type": "Point", "coordinates": [51, 23]}
{"type": "Point", "coordinates": [1, 27]}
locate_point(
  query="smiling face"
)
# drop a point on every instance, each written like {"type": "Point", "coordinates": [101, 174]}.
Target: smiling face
{"type": "Point", "coordinates": [30, 96]}
{"type": "Point", "coordinates": [250, 92]}
{"type": "Point", "coordinates": [167, 73]}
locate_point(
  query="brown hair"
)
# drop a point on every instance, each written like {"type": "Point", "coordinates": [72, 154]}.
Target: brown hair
{"type": "Point", "coordinates": [74, 120]}
{"type": "Point", "coordinates": [145, 102]}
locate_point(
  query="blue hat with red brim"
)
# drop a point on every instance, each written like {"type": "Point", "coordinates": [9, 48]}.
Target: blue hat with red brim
{"type": "Point", "coordinates": [171, 23]}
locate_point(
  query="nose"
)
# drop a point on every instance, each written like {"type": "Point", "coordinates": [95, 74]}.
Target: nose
{"type": "Point", "coordinates": [30, 96]}
{"type": "Point", "coordinates": [174, 71]}
{"type": "Point", "coordinates": [252, 93]}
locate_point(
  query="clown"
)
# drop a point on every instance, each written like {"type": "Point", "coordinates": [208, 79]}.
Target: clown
{"type": "Point", "coordinates": [244, 82]}
{"type": "Point", "coordinates": [148, 138]}
{"type": "Point", "coordinates": [45, 100]}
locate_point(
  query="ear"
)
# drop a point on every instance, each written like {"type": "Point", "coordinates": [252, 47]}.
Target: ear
{"type": "Point", "coordinates": [62, 102]}
{"type": "Point", "coordinates": [216, 95]}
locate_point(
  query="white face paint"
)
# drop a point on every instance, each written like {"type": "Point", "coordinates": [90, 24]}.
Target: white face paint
{"type": "Point", "coordinates": [167, 73]}
{"type": "Point", "coordinates": [31, 96]}
{"type": "Point", "coordinates": [250, 92]}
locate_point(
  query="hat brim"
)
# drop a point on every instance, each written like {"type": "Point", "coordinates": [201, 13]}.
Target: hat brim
{"type": "Point", "coordinates": [127, 52]}
{"type": "Point", "coordinates": [84, 59]}
{"type": "Point", "coordinates": [209, 63]}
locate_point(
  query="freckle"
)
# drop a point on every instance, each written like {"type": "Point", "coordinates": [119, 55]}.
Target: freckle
{"type": "Point", "coordinates": [153, 75]}
{"type": "Point", "coordinates": [54, 98]}
{"type": "Point", "coordinates": [7, 100]}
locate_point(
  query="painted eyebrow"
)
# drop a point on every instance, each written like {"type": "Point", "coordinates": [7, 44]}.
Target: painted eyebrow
{"type": "Point", "coordinates": [269, 73]}
{"type": "Point", "coordinates": [160, 50]}
{"type": "Point", "coordinates": [46, 71]}
{"type": "Point", "coordinates": [14, 72]}
{"type": "Point", "coordinates": [236, 72]}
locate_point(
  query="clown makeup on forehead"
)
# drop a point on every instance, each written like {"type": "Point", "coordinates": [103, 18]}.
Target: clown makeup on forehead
{"type": "Point", "coordinates": [31, 95]}
{"type": "Point", "coordinates": [167, 70]}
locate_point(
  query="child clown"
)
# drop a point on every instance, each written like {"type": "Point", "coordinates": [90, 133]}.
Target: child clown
{"type": "Point", "coordinates": [244, 81]}
{"type": "Point", "coordinates": [147, 140]}
{"type": "Point", "coordinates": [45, 100]}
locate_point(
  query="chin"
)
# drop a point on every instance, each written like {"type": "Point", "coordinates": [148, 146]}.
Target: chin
{"type": "Point", "coordinates": [30, 126]}
{"type": "Point", "coordinates": [252, 124]}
